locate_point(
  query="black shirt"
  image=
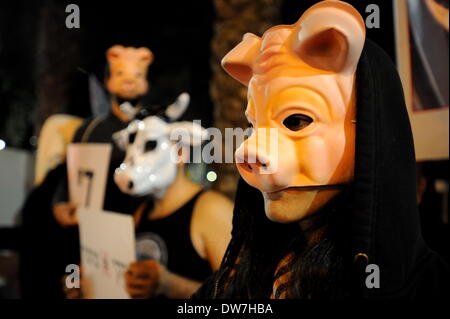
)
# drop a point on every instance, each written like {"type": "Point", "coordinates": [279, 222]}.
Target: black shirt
{"type": "Point", "coordinates": [168, 241]}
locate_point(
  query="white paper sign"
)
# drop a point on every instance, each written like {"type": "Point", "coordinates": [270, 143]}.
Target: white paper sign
{"type": "Point", "coordinates": [87, 170]}
{"type": "Point", "coordinates": [107, 243]}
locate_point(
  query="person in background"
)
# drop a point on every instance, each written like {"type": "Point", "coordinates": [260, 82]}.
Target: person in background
{"type": "Point", "coordinates": [36, 214]}
{"type": "Point", "coordinates": [181, 240]}
{"type": "Point", "coordinates": [182, 234]}
{"type": "Point", "coordinates": [127, 83]}
{"type": "Point", "coordinates": [182, 230]}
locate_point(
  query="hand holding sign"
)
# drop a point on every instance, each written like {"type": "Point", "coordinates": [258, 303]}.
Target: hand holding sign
{"type": "Point", "coordinates": [65, 214]}
{"type": "Point", "coordinates": [143, 279]}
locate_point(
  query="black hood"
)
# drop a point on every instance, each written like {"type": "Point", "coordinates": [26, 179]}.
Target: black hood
{"type": "Point", "coordinates": [385, 222]}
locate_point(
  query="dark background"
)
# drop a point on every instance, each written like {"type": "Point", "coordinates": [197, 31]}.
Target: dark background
{"type": "Point", "coordinates": [35, 42]}
{"type": "Point", "coordinates": [178, 33]}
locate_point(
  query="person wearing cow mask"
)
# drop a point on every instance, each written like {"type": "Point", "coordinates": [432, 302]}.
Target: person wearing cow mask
{"type": "Point", "coordinates": [182, 234]}
{"type": "Point", "coordinates": [127, 83]}
{"type": "Point", "coordinates": [326, 205]}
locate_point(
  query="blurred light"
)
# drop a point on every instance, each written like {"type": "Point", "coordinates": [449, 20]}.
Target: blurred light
{"type": "Point", "coordinates": [211, 176]}
{"type": "Point", "coordinates": [441, 186]}
{"type": "Point", "coordinates": [2, 145]}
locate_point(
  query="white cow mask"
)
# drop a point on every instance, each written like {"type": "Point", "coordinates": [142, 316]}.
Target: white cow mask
{"type": "Point", "coordinates": [152, 146]}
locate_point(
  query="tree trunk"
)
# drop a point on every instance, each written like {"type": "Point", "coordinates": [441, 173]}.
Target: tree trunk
{"type": "Point", "coordinates": [57, 57]}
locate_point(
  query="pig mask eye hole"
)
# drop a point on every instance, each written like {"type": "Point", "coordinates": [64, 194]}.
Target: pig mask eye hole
{"type": "Point", "coordinates": [150, 145]}
{"type": "Point", "coordinates": [297, 122]}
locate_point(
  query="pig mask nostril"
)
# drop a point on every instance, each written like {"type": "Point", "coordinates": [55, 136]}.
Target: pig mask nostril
{"type": "Point", "coordinates": [130, 185]}
{"type": "Point", "coordinates": [254, 167]}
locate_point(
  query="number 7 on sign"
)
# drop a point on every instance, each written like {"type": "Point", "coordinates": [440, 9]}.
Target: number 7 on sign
{"type": "Point", "coordinates": [90, 176]}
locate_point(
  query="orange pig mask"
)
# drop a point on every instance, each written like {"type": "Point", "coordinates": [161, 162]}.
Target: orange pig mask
{"type": "Point", "coordinates": [301, 104]}
{"type": "Point", "coordinates": [128, 66]}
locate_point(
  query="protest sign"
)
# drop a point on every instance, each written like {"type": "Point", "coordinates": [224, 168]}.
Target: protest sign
{"type": "Point", "coordinates": [107, 244]}
{"type": "Point", "coordinates": [87, 169]}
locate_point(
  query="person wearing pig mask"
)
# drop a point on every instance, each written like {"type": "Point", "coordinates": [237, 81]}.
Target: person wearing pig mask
{"type": "Point", "coordinates": [326, 207]}
{"type": "Point", "coordinates": [126, 81]}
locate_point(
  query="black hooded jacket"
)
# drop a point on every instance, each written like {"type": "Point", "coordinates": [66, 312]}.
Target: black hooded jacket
{"type": "Point", "coordinates": [385, 221]}
{"type": "Point", "coordinates": [383, 226]}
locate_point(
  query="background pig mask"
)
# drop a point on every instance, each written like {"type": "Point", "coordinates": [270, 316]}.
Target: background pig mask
{"type": "Point", "coordinates": [127, 80]}
{"type": "Point", "coordinates": [300, 80]}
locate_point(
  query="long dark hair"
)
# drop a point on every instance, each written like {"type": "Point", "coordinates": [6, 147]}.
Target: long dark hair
{"type": "Point", "coordinates": [317, 270]}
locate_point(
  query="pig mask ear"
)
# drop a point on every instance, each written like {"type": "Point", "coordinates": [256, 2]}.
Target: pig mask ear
{"type": "Point", "coordinates": [239, 62]}
{"type": "Point", "coordinates": [121, 139]}
{"type": "Point", "coordinates": [175, 110]}
{"type": "Point", "coordinates": [330, 36]}
{"type": "Point", "coordinates": [145, 55]}
{"type": "Point", "coordinates": [114, 52]}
